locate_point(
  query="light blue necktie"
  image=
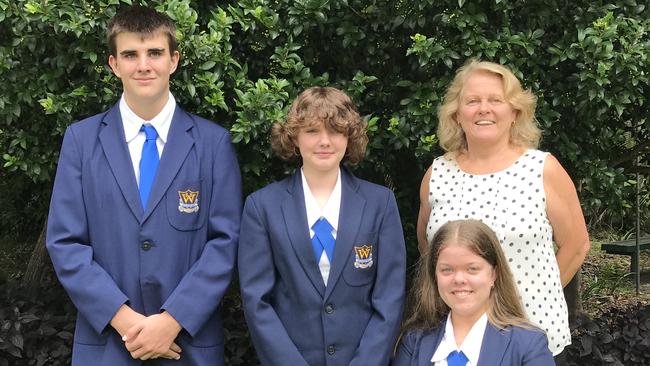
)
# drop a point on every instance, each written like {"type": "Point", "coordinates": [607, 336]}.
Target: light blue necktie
{"type": "Point", "coordinates": [456, 358]}
{"type": "Point", "coordinates": [323, 239]}
{"type": "Point", "coordinates": [148, 163]}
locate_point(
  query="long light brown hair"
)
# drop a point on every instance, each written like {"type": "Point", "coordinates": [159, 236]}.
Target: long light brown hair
{"type": "Point", "coordinates": [428, 308]}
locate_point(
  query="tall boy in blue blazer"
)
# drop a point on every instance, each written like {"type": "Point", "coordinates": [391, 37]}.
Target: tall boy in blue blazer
{"type": "Point", "coordinates": [321, 256]}
{"type": "Point", "coordinates": [144, 217]}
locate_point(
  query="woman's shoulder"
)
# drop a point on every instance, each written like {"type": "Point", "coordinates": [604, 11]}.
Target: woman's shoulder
{"type": "Point", "coordinates": [525, 330]}
{"type": "Point", "coordinates": [526, 334]}
{"type": "Point", "coordinates": [445, 159]}
{"type": "Point", "coordinates": [526, 342]}
{"type": "Point", "coordinates": [536, 154]}
{"type": "Point", "coordinates": [408, 348]}
{"type": "Point", "coordinates": [413, 337]}
{"type": "Point", "coordinates": [440, 165]}
{"type": "Point", "coordinates": [531, 162]}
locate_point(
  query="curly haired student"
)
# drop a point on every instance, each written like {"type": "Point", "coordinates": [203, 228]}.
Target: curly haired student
{"type": "Point", "coordinates": [322, 257]}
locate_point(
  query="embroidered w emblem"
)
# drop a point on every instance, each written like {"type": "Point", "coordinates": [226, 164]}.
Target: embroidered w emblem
{"type": "Point", "coordinates": [188, 196]}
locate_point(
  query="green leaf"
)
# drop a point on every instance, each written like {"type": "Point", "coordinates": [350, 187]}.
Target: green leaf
{"type": "Point", "coordinates": [207, 65]}
{"type": "Point", "coordinates": [32, 7]}
{"type": "Point", "coordinates": [538, 33]}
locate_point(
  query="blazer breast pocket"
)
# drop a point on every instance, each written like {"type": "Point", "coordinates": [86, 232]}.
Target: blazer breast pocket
{"type": "Point", "coordinates": [362, 261]}
{"type": "Point", "coordinates": [184, 201]}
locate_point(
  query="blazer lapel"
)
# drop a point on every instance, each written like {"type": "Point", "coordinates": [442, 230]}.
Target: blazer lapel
{"type": "Point", "coordinates": [295, 218]}
{"type": "Point", "coordinates": [179, 143]}
{"type": "Point", "coordinates": [350, 213]}
{"type": "Point", "coordinates": [113, 142]}
{"type": "Point", "coordinates": [495, 342]}
{"type": "Point", "coordinates": [429, 344]}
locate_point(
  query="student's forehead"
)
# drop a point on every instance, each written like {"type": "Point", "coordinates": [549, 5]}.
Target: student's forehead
{"type": "Point", "coordinates": [131, 40]}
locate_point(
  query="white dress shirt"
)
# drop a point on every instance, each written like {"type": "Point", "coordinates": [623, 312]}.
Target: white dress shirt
{"type": "Point", "coordinates": [330, 212]}
{"type": "Point", "coordinates": [135, 138]}
{"type": "Point", "coordinates": [471, 346]}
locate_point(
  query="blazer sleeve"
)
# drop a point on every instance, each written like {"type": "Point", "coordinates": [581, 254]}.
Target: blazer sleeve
{"type": "Point", "coordinates": [200, 291]}
{"type": "Point", "coordinates": [536, 353]}
{"type": "Point", "coordinates": [388, 294]}
{"type": "Point", "coordinates": [257, 279]}
{"type": "Point", "coordinates": [91, 288]}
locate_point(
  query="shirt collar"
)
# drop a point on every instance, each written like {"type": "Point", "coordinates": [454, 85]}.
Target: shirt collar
{"type": "Point", "coordinates": [331, 209]}
{"type": "Point", "coordinates": [162, 121]}
{"type": "Point", "coordinates": [471, 346]}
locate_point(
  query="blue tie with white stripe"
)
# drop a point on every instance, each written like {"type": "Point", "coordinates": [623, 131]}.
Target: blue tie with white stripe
{"type": "Point", "coordinates": [323, 239]}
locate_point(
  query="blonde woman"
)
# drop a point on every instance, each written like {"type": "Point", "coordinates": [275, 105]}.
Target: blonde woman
{"type": "Point", "coordinates": [493, 172]}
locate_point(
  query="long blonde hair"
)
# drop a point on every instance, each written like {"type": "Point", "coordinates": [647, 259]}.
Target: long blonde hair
{"type": "Point", "coordinates": [428, 308]}
{"type": "Point", "coordinates": [524, 132]}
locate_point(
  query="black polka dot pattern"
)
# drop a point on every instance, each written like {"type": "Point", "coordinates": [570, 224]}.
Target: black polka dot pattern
{"type": "Point", "coordinates": [512, 202]}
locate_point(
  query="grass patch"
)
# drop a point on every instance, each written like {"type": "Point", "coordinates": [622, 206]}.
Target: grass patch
{"type": "Point", "coordinates": [608, 283]}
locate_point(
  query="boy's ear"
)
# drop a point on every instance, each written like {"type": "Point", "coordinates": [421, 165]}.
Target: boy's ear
{"type": "Point", "coordinates": [112, 62]}
{"type": "Point", "coordinates": [176, 56]}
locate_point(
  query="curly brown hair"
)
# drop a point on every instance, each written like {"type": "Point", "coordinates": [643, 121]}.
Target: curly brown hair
{"type": "Point", "coordinates": [326, 105]}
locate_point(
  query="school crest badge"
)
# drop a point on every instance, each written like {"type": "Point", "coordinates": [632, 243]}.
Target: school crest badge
{"type": "Point", "coordinates": [188, 201]}
{"type": "Point", "coordinates": [363, 256]}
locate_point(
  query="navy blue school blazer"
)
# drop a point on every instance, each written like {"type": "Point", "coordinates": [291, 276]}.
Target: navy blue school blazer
{"type": "Point", "coordinates": [178, 254]}
{"type": "Point", "coordinates": [512, 346]}
{"type": "Point", "coordinates": [294, 319]}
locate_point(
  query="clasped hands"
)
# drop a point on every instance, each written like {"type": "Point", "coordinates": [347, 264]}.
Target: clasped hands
{"type": "Point", "coordinates": [147, 337]}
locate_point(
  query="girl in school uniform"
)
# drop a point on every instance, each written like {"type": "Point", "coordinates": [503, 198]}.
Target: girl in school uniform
{"type": "Point", "coordinates": [466, 307]}
{"type": "Point", "coordinates": [321, 253]}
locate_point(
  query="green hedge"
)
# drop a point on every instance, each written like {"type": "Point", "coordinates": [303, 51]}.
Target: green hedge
{"type": "Point", "coordinates": [244, 61]}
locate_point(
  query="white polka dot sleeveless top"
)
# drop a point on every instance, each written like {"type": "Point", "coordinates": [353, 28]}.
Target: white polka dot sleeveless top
{"type": "Point", "coordinates": [512, 202]}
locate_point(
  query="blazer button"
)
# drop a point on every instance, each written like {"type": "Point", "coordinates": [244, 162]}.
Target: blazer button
{"type": "Point", "coordinates": [329, 308]}
{"type": "Point", "coordinates": [331, 350]}
{"type": "Point", "coordinates": [146, 245]}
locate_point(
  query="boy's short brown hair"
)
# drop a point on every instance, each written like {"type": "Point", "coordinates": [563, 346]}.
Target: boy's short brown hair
{"type": "Point", "coordinates": [142, 20]}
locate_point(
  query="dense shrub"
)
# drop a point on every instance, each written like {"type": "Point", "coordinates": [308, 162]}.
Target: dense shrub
{"type": "Point", "coordinates": [244, 61]}
{"type": "Point", "coordinates": [620, 337]}
{"type": "Point", "coordinates": [36, 329]}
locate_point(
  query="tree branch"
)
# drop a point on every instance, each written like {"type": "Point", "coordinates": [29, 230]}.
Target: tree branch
{"type": "Point", "coordinates": [632, 154]}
